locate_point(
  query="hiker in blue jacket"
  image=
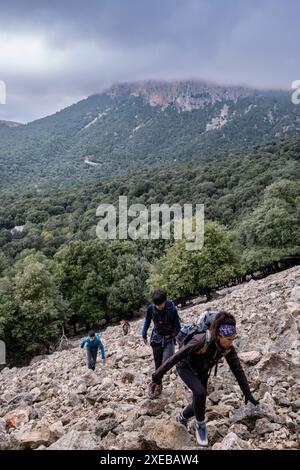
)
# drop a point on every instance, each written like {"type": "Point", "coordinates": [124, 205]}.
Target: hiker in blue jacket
{"type": "Point", "coordinates": [166, 327]}
{"type": "Point", "coordinates": [93, 343]}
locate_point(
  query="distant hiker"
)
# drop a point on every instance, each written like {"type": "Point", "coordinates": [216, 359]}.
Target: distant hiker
{"type": "Point", "coordinates": [166, 327]}
{"type": "Point", "coordinates": [93, 343]}
{"type": "Point", "coordinates": [125, 327]}
{"type": "Point", "coordinates": [194, 361]}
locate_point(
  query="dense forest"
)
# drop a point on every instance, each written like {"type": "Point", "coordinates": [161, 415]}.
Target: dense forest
{"type": "Point", "coordinates": [55, 273]}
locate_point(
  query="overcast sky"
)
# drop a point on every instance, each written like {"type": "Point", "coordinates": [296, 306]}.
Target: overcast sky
{"type": "Point", "coordinates": [54, 53]}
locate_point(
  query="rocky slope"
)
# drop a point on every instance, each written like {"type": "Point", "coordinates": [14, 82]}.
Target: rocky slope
{"type": "Point", "coordinates": [56, 403]}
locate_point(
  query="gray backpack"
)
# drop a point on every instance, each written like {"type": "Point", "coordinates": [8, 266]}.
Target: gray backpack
{"type": "Point", "coordinates": [202, 325]}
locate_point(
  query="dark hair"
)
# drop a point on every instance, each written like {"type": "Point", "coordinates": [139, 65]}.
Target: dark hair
{"type": "Point", "coordinates": [159, 296]}
{"type": "Point", "coordinates": [92, 334]}
{"type": "Point", "coordinates": [222, 318]}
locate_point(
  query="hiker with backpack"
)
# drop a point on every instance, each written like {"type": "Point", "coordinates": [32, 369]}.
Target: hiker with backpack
{"type": "Point", "coordinates": [200, 349]}
{"type": "Point", "coordinates": [125, 327]}
{"type": "Point", "coordinates": [93, 344]}
{"type": "Point", "coordinates": [166, 321]}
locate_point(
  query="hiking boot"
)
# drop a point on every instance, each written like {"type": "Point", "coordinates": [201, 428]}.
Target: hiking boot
{"type": "Point", "coordinates": [157, 390]}
{"type": "Point", "coordinates": [201, 434]}
{"type": "Point", "coordinates": [181, 420]}
{"type": "Point", "coordinates": [151, 389]}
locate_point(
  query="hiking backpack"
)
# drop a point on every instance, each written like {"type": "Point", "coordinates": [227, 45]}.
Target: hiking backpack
{"type": "Point", "coordinates": [202, 325]}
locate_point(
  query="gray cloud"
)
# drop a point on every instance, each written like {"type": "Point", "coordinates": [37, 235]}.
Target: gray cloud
{"type": "Point", "coordinates": [55, 53]}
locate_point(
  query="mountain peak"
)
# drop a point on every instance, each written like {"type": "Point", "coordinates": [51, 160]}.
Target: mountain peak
{"type": "Point", "coordinates": [184, 95]}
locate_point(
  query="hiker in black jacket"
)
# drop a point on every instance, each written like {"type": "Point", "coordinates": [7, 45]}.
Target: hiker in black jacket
{"type": "Point", "coordinates": [166, 327]}
{"type": "Point", "coordinates": [194, 362]}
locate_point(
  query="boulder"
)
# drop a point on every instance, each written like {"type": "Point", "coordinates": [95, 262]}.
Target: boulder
{"type": "Point", "coordinates": [5, 441]}
{"type": "Point", "coordinates": [105, 413]}
{"type": "Point", "coordinates": [248, 414]}
{"type": "Point", "coordinates": [240, 430]}
{"type": "Point", "coordinates": [251, 357]}
{"type": "Point", "coordinates": [104, 426]}
{"type": "Point", "coordinates": [34, 439]}
{"type": "Point", "coordinates": [232, 442]}
{"type": "Point", "coordinates": [134, 440]}
{"type": "Point", "coordinates": [153, 407]}
{"type": "Point", "coordinates": [295, 405]}
{"type": "Point", "coordinates": [263, 426]}
{"type": "Point", "coordinates": [76, 440]}
{"type": "Point", "coordinates": [276, 364]}
{"type": "Point", "coordinates": [216, 429]}
{"type": "Point", "coordinates": [219, 411]}
{"type": "Point", "coordinates": [167, 435]}
{"type": "Point", "coordinates": [16, 418]}
{"type": "Point", "coordinates": [215, 397]}
{"type": "Point", "coordinates": [107, 384]}
{"type": "Point", "coordinates": [56, 430]}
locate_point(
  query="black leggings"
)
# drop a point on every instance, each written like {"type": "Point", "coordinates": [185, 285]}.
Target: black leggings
{"type": "Point", "coordinates": [198, 385]}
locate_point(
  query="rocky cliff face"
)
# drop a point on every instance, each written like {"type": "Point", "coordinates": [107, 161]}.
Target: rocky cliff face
{"type": "Point", "coordinates": [56, 403]}
{"type": "Point", "coordinates": [184, 95]}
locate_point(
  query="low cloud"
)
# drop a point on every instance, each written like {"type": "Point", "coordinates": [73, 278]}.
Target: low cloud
{"type": "Point", "coordinates": [53, 55]}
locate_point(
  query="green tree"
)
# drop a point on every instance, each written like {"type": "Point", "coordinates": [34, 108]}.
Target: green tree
{"type": "Point", "coordinates": [84, 276]}
{"type": "Point", "coordinates": [32, 310]}
{"type": "Point", "coordinates": [272, 231]}
{"type": "Point", "coordinates": [183, 273]}
{"type": "Point", "coordinates": [128, 291]}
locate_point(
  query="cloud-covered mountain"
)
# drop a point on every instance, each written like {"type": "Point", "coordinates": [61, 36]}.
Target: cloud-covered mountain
{"type": "Point", "coordinates": [135, 126]}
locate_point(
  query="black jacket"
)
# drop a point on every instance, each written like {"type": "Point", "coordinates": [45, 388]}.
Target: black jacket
{"type": "Point", "coordinates": [201, 362]}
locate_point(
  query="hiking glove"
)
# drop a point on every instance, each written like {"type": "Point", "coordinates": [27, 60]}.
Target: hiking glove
{"type": "Point", "coordinates": [145, 340]}
{"type": "Point", "coordinates": [251, 398]}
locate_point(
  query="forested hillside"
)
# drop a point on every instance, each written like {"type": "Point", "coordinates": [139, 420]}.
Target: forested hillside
{"type": "Point", "coordinates": [140, 126]}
